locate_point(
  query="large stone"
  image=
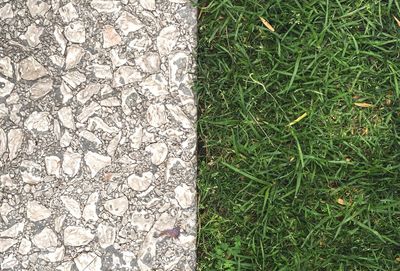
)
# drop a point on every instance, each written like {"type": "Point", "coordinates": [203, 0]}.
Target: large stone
{"type": "Point", "coordinates": [128, 23]}
{"type": "Point", "coordinates": [117, 206]}
{"type": "Point", "coordinates": [33, 34]}
{"type": "Point", "coordinates": [159, 152]}
{"type": "Point", "coordinates": [6, 243]}
{"type": "Point", "coordinates": [88, 262]}
{"type": "Point", "coordinates": [156, 115]}
{"type": "Point", "coordinates": [68, 13]}
{"type": "Point", "coordinates": [45, 239]}
{"type": "Point", "coordinates": [106, 6]}
{"type": "Point", "coordinates": [36, 212]}
{"type": "Point", "coordinates": [77, 236]}
{"type": "Point", "coordinates": [75, 32]}
{"type": "Point", "coordinates": [185, 196]}
{"type": "Point", "coordinates": [41, 88]}
{"type": "Point", "coordinates": [38, 121]}
{"type": "Point", "coordinates": [140, 183]}
{"type": "Point", "coordinates": [66, 117]}
{"type": "Point", "coordinates": [110, 37]}
{"type": "Point", "coordinates": [96, 162]}
{"type": "Point", "coordinates": [74, 56]}
{"type": "Point", "coordinates": [5, 87]}
{"type": "Point", "coordinates": [31, 69]}
{"type": "Point", "coordinates": [15, 140]}
{"type": "Point", "coordinates": [72, 206]}
{"type": "Point", "coordinates": [6, 67]}
{"type": "Point", "coordinates": [167, 39]}
{"type": "Point", "coordinates": [37, 7]}
{"type": "Point", "coordinates": [106, 235]}
{"type": "Point", "coordinates": [71, 163]}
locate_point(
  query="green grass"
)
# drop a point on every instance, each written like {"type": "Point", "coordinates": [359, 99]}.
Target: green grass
{"type": "Point", "coordinates": [268, 190]}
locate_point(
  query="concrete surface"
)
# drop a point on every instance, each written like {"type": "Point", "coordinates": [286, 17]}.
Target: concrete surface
{"type": "Point", "coordinates": [97, 135]}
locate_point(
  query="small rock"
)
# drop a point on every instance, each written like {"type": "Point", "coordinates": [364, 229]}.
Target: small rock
{"type": "Point", "coordinates": [68, 13]}
{"type": "Point", "coordinates": [89, 212]}
{"type": "Point", "coordinates": [37, 7]}
{"type": "Point", "coordinates": [45, 239]}
{"type": "Point", "coordinates": [74, 56]}
{"type": "Point", "coordinates": [113, 145]}
{"type": "Point", "coordinates": [102, 71]}
{"type": "Point", "coordinates": [6, 67]}
{"type": "Point", "coordinates": [149, 63]}
{"type": "Point", "coordinates": [106, 235]}
{"type": "Point", "coordinates": [6, 243]}
{"type": "Point", "coordinates": [9, 262]}
{"type": "Point", "coordinates": [13, 231]}
{"type": "Point", "coordinates": [159, 152]}
{"type": "Point", "coordinates": [56, 256]}
{"type": "Point", "coordinates": [66, 117]}
{"type": "Point", "coordinates": [36, 212]}
{"type": "Point", "coordinates": [66, 92]}
{"type": "Point", "coordinates": [156, 84]}
{"type": "Point", "coordinates": [72, 206]}
{"type": "Point", "coordinates": [24, 246]}
{"type": "Point", "coordinates": [110, 37]}
{"type": "Point", "coordinates": [180, 116]}
{"type": "Point", "coordinates": [128, 23]}
{"type": "Point", "coordinates": [71, 163]}
{"type": "Point", "coordinates": [117, 206]}
{"type": "Point", "coordinates": [148, 4]}
{"type": "Point", "coordinates": [3, 142]}
{"type": "Point", "coordinates": [106, 6]}
{"type": "Point", "coordinates": [65, 139]}
{"type": "Point", "coordinates": [30, 69]}
{"type": "Point", "coordinates": [88, 111]}
{"type": "Point", "coordinates": [115, 59]}
{"type": "Point", "coordinates": [65, 266]}
{"type": "Point", "coordinates": [15, 139]}
{"type": "Point", "coordinates": [74, 78]}
{"type": "Point", "coordinates": [185, 196]}
{"type": "Point", "coordinates": [53, 165]}
{"type": "Point", "coordinates": [30, 172]}
{"type": "Point", "coordinates": [110, 102]}
{"type": "Point", "coordinates": [142, 221]}
{"type": "Point", "coordinates": [167, 39]}
{"type": "Point", "coordinates": [125, 75]}
{"type": "Point", "coordinates": [96, 162]}
{"type": "Point", "coordinates": [57, 60]}
{"type": "Point", "coordinates": [6, 12]}
{"type": "Point", "coordinates": [90, 137]}
{"type": "Point", "coordinates": [33, 34]}
{"type": "Point", "coordinates": [140, 183]}
{"type": "Point", "coordinates": [75, 32]}
{"type": "Point", "coordinates": [136, 137]}
{"type": "Point", "coordinates": [85, 94]}
{"type": "Point", "coordinates": [156, 115]}
{"type": "Point", "coordinates": [88, 262]}
{"type": "Point", "coordinates": [58, 222]}
{"type": "Point", "coordinates": [38, 121]}
{"type": "Point", "coordinates": [5, 87]}
{"type": "Point", "coordinates": [41, 88]}
{"type": "Point", "coordinates": [59, 36]}
{"type": "Point", "coordinates": [77, 236]}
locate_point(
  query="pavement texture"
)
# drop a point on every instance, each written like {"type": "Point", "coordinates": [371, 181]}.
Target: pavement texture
{"type": "Point", "coordinates": [97, 135]}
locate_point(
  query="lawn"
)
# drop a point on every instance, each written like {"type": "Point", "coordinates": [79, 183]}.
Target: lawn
{"type": "Point", "coordinates": [299, 135]}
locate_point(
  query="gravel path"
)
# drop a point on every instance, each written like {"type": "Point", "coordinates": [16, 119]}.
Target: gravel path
{"type": "Point", "coordinates": [97, 135]}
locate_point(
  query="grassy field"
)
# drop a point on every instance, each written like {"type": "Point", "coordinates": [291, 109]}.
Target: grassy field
{"type": "Point", "coordinates": [299, 135]}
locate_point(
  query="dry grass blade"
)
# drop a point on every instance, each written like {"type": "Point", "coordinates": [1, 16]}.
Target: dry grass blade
{"type": "Point", "coordinates": [267, 24]}
{"type": "Point", "coordinates": [298, 119]}
{"type": "Point", "coordinates": [397, 20]}
{"type": "Point", "coordinates": [364, 105]}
